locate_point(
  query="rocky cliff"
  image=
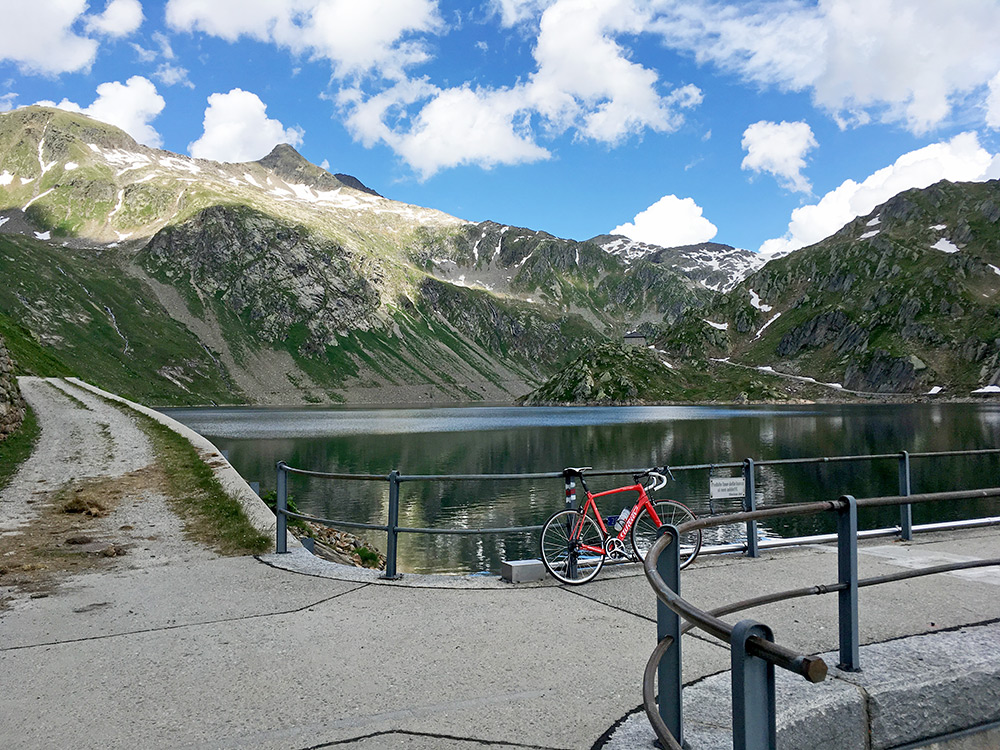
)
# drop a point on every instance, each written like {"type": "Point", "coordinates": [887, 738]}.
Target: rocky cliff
{"type": "Point", "coordinates": [11, 403]}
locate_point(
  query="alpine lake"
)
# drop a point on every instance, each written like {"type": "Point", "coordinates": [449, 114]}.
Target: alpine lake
{"type": "Point", "coordinates": [519, 440]}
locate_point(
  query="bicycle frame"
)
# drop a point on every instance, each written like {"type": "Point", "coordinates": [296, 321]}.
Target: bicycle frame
{"type": "Point", "coordinates": [643, 502]}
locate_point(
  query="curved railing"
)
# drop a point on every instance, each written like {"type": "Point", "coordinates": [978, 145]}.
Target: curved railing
{"type": "Point", "coordinates": [754, 654]}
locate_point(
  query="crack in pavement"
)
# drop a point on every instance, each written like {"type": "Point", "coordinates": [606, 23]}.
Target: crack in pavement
{"type": "Point", "coordinates": [606, 604]}
{"type": "Point", "coordinates": [431, 735]}
{"type": "Point", "coordinates": [181, 626]}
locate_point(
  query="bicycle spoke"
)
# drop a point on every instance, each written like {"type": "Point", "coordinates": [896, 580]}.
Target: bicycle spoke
{"type": "Point", "coordinates": [562, 537]}
{"type": "Point", "coordinates": [646, 530]}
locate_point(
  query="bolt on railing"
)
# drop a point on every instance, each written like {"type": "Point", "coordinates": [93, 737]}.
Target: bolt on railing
{"type": "Point", "coordinates": [753, 652]}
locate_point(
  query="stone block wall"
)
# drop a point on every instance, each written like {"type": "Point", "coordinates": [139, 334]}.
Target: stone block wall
{"type": "Point", "coordinates": [11, 403]}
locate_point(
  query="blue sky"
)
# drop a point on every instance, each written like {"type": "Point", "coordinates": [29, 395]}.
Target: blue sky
{"type": "Point", "coordinates": [765, 125]}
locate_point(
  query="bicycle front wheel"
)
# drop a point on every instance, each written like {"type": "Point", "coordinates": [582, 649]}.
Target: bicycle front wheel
{"type": "Point", "coordinates": [562, 553]}
{"type": "Point", "coordinates": [671, 512]}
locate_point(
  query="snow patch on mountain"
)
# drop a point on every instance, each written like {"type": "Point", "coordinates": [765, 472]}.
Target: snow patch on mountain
{"type": "Point", "coordinates": [755, 301]}
{"type": "Point", "coordinates": [713, 265]}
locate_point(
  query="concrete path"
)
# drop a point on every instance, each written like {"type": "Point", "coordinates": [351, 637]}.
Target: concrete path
{"type": "Point", "coordinates": [252, 653]}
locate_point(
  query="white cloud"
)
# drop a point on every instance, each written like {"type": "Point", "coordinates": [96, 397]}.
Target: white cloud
{"type": "Point", "coordinates": [171, 75]}
{"type": "Point", "coordinates": [461, 126]}
{"type": "Point", "coordinates": [130, 106]}
{"type": "Point", "coordinates": [355, 36]}
{"type": "Point", "coordinates": [584, 83]}
{"type": "Point", "coordinates": [993, 103]}
{"type": "Point", "coordinates": [906, 61]}
{"type": "Point", "coordinates": [780, 149]}
{"type": "Point", "coordinates": [237, 129]}
{"type": "Point", "coordinates": [513, 12]}
{"type": "Point", "coordinates": [120, 17]}
{"type": "Point", "coordinates": [38, 36]}
{"type": "Point", "coordinates": [585, 79]}
{"type": "Point", "coordinates": [7, 101]}
{"type": "Point", "coordinates": [961, 159]}
{"type": "Point", "coordinates": [670, 222]}
{"type": "Point", "coordinates": [455, 127]}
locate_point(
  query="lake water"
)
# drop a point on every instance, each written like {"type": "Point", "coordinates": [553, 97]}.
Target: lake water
{"type": "Point", "coordinates": [513, 440]}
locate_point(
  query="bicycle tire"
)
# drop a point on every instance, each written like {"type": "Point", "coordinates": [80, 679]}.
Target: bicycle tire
{"type": "Point", "coordinates": [558, 549]}
{"type": "Point", "coordinates": [644, 531]}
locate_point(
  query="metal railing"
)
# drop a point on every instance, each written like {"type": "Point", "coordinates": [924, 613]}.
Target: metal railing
{"type": "Point", "coordinates": [748, 467]}
{"type": "Point", "coordinates": [754, 655]}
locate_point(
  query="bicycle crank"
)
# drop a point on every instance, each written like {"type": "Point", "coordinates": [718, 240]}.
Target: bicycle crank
{"type": "Point", "coordinates": [615, 548]}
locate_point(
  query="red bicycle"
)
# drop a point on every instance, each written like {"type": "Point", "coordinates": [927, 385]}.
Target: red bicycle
{"type": "Point", "coordinates": [576, 542]}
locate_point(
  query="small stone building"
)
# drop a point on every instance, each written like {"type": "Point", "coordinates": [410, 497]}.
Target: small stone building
{"type": "Point", "coordinates": [634, 338]}
{"type": "Point", "coordinates": [11, 403]}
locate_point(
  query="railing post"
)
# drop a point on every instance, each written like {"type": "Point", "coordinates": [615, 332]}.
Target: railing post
{"type": "Point", "coordinates": [668, 624]}
{"type": "Point", "coordinates": [750, 505]}
{"type": "Point", "coordinates": [754, 723]}
{"type": "Point", "coordinates": [905, 511]}
{"type": "Point", "coordinates": [393, 524]}
{"type": "Point", "coordinates": [847, 569]}
{"type": "Point", "coordinates": [280, 507]}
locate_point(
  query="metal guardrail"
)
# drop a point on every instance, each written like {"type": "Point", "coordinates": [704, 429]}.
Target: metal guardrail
{"type": "Point", "coordinates": [754, 654]}
{"type": "Point", "coordinates": [748, 467]}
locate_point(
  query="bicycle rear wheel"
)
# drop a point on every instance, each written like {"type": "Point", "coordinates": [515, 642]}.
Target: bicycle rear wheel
{"type": "Point", "coordinates": [562, 536]}
{"type": "Point", "coordinates": [671, 512]}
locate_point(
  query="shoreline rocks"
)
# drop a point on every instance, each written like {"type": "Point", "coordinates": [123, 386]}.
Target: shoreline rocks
{"type": "Point", "coordinates": [344, 548]}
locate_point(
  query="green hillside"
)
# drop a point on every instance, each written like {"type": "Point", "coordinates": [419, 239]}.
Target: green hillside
{"type": "Point", "coordinates": [901, 300]}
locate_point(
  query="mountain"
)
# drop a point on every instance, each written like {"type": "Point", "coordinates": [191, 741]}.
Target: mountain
{"type": "Point", "coordinates": [179, 280]}
{"type": "Point", "coordinates": [902, 300]}
{"type": "Point", "coordinates": [715, 266]}
{"type": "Point", "coordinates": [611, 373]}
{"type": "Point", "coordinates": [287, 163]}
{"type": "Point", "coordinates": [577, 277]}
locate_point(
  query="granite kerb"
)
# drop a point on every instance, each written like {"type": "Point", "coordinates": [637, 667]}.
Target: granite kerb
{"type": "Point", "coordinates": [909, 690]}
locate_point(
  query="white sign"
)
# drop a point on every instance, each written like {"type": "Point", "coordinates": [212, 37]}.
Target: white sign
{"type": "Point", "coordinates": [720, 487]}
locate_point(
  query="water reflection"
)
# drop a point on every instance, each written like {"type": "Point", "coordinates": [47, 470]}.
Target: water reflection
{"type": "Point", "coordinates": [506, 440]}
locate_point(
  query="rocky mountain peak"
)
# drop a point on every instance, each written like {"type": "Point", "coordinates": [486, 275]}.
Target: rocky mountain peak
{"type": "Point", "coordinates": [289, 164]}
{"type": "Point", "coordinates": [713, 265]}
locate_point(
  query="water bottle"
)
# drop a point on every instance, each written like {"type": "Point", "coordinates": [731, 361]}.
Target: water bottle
{"type": "Point", "coordinates": [622, 518]}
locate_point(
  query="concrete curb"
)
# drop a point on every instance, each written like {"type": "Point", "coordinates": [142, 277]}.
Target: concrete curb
{"type": "Point", "coordinates": [259, 515]}
{"type": "Point", "coordinates": [909, 690]}
{"type": "Point", "coordinates": [308, 564]}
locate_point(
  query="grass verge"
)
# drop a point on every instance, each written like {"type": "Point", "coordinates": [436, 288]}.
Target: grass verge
{"type": "Point", "coordinates": [15, 450]}
{"type": "Point", "coordinates": [212, 516]}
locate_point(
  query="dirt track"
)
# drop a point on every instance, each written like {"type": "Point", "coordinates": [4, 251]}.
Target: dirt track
{"type": "Point", "coordinates": [89, 497]}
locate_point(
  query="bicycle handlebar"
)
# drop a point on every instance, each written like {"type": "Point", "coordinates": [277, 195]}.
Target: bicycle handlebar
{"type": "Point", "coordinates": [657, 477]}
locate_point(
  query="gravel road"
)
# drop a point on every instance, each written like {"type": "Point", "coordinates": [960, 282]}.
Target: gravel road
{"type": "Point", "coordinates": [91, 456]}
